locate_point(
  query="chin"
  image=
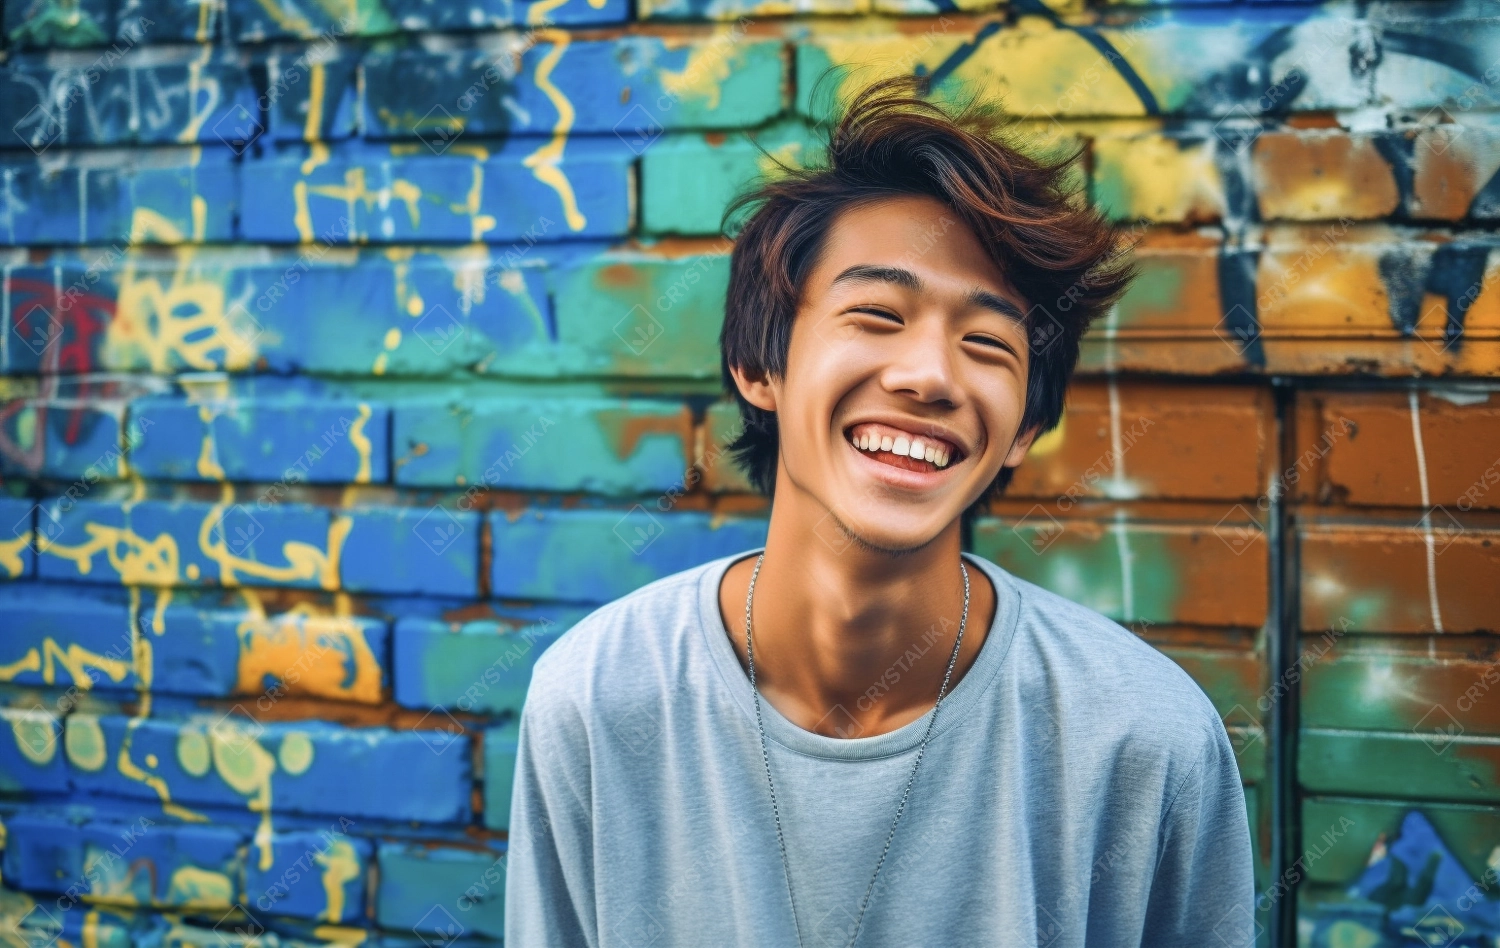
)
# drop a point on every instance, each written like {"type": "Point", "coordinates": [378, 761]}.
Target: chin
{"type": "Point", "coordinates": [886, 534]}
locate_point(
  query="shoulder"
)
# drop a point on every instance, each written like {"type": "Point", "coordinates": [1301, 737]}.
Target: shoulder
{"type": "Point", "coordinates": [1108, 677]}
{"type": "Point", "coordinates": [622, 647]}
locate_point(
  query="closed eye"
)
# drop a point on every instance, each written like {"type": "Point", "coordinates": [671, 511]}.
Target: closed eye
{"type": "Point", "coordinates": [994, 343]}
{"type": "Point", "coordinates": [872, 311]}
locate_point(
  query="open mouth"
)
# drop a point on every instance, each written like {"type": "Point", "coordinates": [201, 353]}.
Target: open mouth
{"type": "Point", "coordinates": [904, 449]}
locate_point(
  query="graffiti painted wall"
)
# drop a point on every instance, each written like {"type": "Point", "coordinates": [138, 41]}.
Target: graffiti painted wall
{"type": "Point", "coordinates": [351, 351]}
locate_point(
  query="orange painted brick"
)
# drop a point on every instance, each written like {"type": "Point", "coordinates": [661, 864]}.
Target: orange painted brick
{"type": "Point", "coordinates": [1367, 443]}
{"type": "Point", "coordinates": [1322, 175]}
{"type": "Point", "coordinates": [1390, 578]}
{"type": "Point", "coordinates": [1174, 441]}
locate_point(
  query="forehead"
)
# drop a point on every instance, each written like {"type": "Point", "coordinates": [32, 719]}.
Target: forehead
{"type": "Point", "coordinates": [915, 232]}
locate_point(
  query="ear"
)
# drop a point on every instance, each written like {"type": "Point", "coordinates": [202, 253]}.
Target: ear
{"type": "Point", "coordinates": [1021, 445]}
{"type": "Point", "coordinates": [755, 387]}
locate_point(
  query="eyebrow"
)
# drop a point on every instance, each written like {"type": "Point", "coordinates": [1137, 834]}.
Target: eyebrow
{"type": "Point", "coordinates": [900, 276]}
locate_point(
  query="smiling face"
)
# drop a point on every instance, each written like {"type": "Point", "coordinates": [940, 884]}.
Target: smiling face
{"type": "Point", "coordinates": [905, 379]}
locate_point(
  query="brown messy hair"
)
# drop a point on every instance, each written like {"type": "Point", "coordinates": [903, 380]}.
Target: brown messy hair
{"type": "Point", "coordinates": [1063, 256]}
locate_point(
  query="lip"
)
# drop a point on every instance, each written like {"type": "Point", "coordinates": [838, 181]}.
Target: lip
{"type": "Point", "coordinates": [900, 476]}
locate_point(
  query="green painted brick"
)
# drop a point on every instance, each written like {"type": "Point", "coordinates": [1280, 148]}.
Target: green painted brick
{"type": "Point", "coordinates": [1432, 766]}
{"type": "Point", "coordinates": [442, 890]}
{"type": "Point", "coordinates": [1470, 833]}
{"type": "Point", "coordinates": [688, 180]}
{"type": "Point", "coordinates": [634, 313]}
{"type": "Point", "coordinates": [720, 472]}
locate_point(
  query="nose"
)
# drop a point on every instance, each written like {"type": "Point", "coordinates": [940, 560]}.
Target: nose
{"type": "Point", "coordinates": [922, 363]}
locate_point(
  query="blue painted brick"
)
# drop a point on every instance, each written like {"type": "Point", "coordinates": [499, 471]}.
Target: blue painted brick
{"type": "Point", "coordinates": [257, 20]}
{"type": "Point", "coordinates": [600, 555]}
{"type": "Point", "coordinates": [501, 744]}
{"type": "Point", "coordinates": [152, 863]}
{"type": "Point", "coordinates": [312, 93]}
{"type": "Point", "coordinates": [187, 543]}
{"type": "Point", "coordinates": [197, 647]}
{"type": "Point", "coordinates": [447, 96]}
{"type": "Point", "coordinates": [61, 440]}
{"type": "Point", "coordinates": [259, 542]}
{"type": "Point", "coordinates": [296, 440]}
{"type": "Point", "coordinates": [198, 21]}
{"type": "Point", "coordinates": [481, 667]}
{"type": "Point", "coordinates": [181, 95]}
{"type": "Point", "coordinates": [441, 890]}
{"type": "Point", "coordinates": [318, 875]}
{"type": "Point", "coordinates": [300, 768]}
{"type": "Point", "coordinates": [478, 191]}
{"type": "Point", "coordinates": [429, 313]}
{"type": "Point", "coordinates": [430, 550]}
{"type": "Point", "coordinates": [426, 317]}
{"type": "Point", "coordinates": [43, 620]}
{"type": "Point", "coordinates": [31, 758]}
{"type": "Point", "coordinates": [94, 197]}
{"type": "Point", "coordinates": [43, 853]}
{"type": "Point", "coordinates": [608, 446]}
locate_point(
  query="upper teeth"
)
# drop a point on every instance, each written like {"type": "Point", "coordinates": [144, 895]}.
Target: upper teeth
{"type": "Point", "coordinates": [882, 438]}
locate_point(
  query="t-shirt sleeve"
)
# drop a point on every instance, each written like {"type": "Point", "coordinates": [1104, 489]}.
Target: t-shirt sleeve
{"type": "Point", "coordinates": [1203, 892]}
{"type": "Point", "coordinates": [549, 886]}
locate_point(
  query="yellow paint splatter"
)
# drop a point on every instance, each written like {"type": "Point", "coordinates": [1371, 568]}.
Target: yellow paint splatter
{"type": "Point", "coordinates": [144, 664]}
{"type": "Point", "coordinates": [35, 733]}
{"type": "Point", "coordinates": [10, 555]}
{"type": "Point", "coordinates": [317, 155]}
{"type": "Point", "coordinates": [180, 325]}
{"type": "Point", "coordinates": [200, 218]}
{"type": "Point", "coordinates": [247, 767]}
{"type": "Point", "coordinates": [192, 887]}
{"type": "Point", "coordinates": [296, 753]}
{"type": "Point", "coordinates": [193, 754]}
{"type": "Point", "coordinates": [302, 216]}
{"type": "Point", "coordinates": [304, 561]}
{"type": "Point", "coordinates": [317, 84]}
{"type": "Point", "coordinates": [324, 651]}
{"type": "Point", "coordinates": [140, 562]}
{"type": "Point", "coordinates": [208, 455]}
{"type": "Point", "coordinates": [199, 87]}
{"type": "Point", "coordinates": [30, 662]}
{"type": "Point", "coordinates": [544, 161]}
{"type": "Point", "coordinates": [1051, 441]}
{"type": "Point", "coordinates": [361, 441]}
{"type": "Point", "coordinates": [479, 224]}
{"type": "Point", "coordinates": [83, 742]}
{"type": "Point", "coordinates": [340, 866]}
{"type": "Point", "coordinates": [340, 934]}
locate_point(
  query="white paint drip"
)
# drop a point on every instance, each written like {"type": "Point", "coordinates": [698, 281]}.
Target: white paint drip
{"type": "Point", "coordinates": [83, 205]}
{"type": "Point", "coordinates": [1116, 440]}
{"type": "Point", "coordinates": [1127, 572]}
{"type": "Point", "coordinates": [5, 322]}
{"type": "Point", "coordinates": [1111, 328]}
{"type": "Point", "coordinates": [1416, 437]}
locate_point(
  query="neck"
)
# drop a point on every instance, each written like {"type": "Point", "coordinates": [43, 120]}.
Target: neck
{"type": "Point", "coordinates": [853, 641]}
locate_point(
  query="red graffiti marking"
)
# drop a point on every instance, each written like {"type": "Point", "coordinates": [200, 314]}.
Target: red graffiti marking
{"type": "Point", "coordinates": [62, 330]}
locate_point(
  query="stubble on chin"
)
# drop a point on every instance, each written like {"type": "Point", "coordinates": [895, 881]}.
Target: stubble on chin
{"type": "Point", "coordinates": [865, 546]}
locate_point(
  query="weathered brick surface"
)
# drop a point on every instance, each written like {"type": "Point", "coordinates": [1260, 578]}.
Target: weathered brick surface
{"type": "Point", "coordinates": [349, 356]}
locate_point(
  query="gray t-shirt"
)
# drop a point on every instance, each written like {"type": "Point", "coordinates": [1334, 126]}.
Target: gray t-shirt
{"type": "Point", "coordinates": [1079, 789]}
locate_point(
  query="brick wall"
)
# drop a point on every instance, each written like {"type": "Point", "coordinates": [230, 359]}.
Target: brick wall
{"type": "Point", "coordinates": [350, 355]}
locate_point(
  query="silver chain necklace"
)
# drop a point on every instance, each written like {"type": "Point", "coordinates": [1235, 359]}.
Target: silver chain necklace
{"type": "Point", "coordinates": [921, 749]}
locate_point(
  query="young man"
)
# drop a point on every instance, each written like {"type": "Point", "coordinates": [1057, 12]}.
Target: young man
{"type": "Point", "coordinates": [933, 752]}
